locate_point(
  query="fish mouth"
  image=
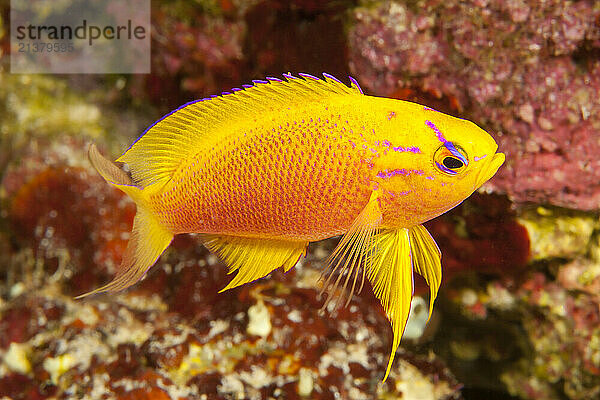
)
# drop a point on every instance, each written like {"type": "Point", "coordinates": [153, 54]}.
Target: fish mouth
{"type": "Point", "coordinates": [490, 169]}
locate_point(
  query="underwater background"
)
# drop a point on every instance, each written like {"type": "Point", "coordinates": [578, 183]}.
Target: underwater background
{"type": "Point", "coordinates": [518, 315]}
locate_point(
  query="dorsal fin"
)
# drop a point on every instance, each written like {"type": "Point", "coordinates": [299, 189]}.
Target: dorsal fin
{"type": "Point", "coordinates": [156, 155]}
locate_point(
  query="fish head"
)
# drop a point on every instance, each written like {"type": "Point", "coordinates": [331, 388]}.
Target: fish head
{"type": "Point", "coordinates": [466, 156]}
{"type": "Point", "coordinates": [443, 161]}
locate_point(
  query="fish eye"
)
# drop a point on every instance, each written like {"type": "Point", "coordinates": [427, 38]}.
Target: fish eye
{"type": "Point", "coordinates": [450, 159]}
{"type": "Point", "coordinates": [452, 163]}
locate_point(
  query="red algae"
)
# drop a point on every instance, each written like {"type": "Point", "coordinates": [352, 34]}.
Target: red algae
{"type": "Point", "coordinates": [199, 51]}
{"type": "Point", "coordinates": [130, 347]}
{"type": "Point", "coordinates": [484, 235]}
{"type": "Point", "coordinates": [21, 387]}
{"type": "Point", "coordinates": [64, 212]}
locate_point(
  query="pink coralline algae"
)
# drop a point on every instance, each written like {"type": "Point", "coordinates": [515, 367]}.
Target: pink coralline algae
{"type": "Point", "coordinates": [200, 55]}
{"type": "Point", "coordinates": [206, 48]}
{"type": "Point", "coordinates": [529, 72]}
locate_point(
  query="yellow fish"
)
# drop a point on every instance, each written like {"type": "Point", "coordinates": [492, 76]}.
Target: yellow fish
{"type": "Point", "coordinates": [263, 170]}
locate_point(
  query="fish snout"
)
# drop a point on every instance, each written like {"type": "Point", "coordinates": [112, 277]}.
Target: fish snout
{"type": "Point", "coordinates": [490, 169]}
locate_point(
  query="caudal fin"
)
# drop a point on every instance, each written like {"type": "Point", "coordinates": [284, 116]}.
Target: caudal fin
{"type": "Point", "coordinates": [148, 237]}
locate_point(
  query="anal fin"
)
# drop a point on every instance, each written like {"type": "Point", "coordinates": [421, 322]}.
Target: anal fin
{"type": "Point", "coordinates": [254, 258]}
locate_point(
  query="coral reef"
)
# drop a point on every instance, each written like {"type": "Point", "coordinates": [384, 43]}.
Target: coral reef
{"type": "Point", "coordinates": [207, 47]}
{"type": "Point", "coordinates": [482, 234]}
{"type": "Point", "coordinates": [527, 71]}
{"type": "Point", "coordinates": [173, 336]}
{"type": "Point", "coordinates": [518, 312]}
{"type": "Point", "coordinates": [271, 344]}
{"type": "Point", "coordinates": [536, 329]}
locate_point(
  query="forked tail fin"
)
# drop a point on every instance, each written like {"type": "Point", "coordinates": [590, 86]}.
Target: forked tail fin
{"type": "Point", "coordinates": [148, 237]}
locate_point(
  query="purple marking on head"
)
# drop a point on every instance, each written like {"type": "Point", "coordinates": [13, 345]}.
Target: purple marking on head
{"type": "Point", "coordinates": [326, 75]}
{"type": "Point", "coordinates": [270, 78]}
{"type": "Point", "coordinates": [213, 96]}
{"type": "Point", "coordinates": [225, 93]}
{"type": "Point", "coordinates": [391, 115]}
{"type": "Point", "coordinates": [247, 86]}
{"type": "Point", "coordinates": [455, 152]}
{"type": "Point", "coordinates": [479, 158]}
{"type": "Point", "coordinates": [446, 170]}
{"type": "Point", "coordinates": [259, 81]}
{"type": "Point", "coordinates": [354, 82]}
{"type": "Point", "coordinates": [289, 76]}
{"type": "Point", "coordinates": [439, 134]}
{"type": "Point", "coordinates": [304, 75]}
{"type": "Point", "coordinates": [236, 89]}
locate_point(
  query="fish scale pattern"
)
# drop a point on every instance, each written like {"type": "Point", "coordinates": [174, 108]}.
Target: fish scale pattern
{"type": "Point", "coordinates": [296, 177]}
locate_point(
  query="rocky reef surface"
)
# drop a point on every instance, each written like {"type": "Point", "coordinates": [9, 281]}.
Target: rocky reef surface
{"type": "Point", "coordinates": [527, 71]}
{"type": "Point", "coordinates": [518, 312]}
{"type": "Point", "coordinates": [173, 336]}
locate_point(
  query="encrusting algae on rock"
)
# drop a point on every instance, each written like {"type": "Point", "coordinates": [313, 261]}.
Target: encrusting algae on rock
{"type": "Point", "coordinates": [260, 172]}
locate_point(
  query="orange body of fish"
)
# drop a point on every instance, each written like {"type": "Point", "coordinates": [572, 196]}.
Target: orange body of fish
{"type": "Point", "coordinates": [262, 171]}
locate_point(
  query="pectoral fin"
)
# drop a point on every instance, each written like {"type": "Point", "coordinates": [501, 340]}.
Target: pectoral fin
{"type": "Point", "coordinates": [391, 275]}
{"type": "Point", "coordinates": [427, 260]}
{"type": "Point", "coordinates": [254, 258]}
{"type": "Point", "coordinates": [346, 262]}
